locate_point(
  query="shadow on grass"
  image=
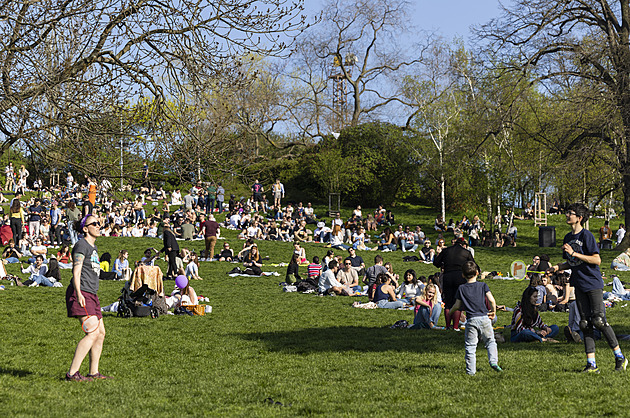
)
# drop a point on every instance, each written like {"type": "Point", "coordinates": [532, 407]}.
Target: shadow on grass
{"type": "Point", "coordinates": [14, 372]}
{"type": "Point", "coordinates": [353, 338]}
{"type": "Point", "coordinates": [366, 339]}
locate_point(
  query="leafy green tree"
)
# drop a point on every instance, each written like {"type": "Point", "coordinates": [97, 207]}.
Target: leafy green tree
{"type": "Point", "coordinates": [561, 43]}
{"type": "Point", "coordinates": [368, 164]}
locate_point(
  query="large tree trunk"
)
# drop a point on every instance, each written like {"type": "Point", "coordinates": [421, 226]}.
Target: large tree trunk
{"type": "Point", "coordinates": [442, 188]}
{"type": "Point", "coordinates": [626, 207]}
{"type": "Point", "coordinates": [624, 160]}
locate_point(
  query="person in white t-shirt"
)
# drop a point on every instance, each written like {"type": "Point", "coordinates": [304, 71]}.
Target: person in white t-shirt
{"type": "Point", "coordinates": [621, 232]}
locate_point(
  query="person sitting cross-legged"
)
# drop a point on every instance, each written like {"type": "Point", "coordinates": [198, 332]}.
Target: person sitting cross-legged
{"type": "Point", "coordinates": [385, 295]}
{"type": "Point", "coordinates": [328, 283]}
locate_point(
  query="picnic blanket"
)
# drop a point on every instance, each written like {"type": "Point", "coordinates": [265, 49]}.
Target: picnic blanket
{"type": "Point", "coordinates": [368, 305]}
{"type": "Point", "coordinates": [264, 274]}
{"type": "Point", "coordinates": [149, 275]}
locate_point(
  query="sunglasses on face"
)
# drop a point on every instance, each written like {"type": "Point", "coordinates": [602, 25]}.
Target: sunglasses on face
{"type": "Point", "coordinates": [97, 224]}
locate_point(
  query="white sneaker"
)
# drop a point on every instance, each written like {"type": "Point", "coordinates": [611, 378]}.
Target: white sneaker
{"type": "Point", "coordinates": [34, 284]}
{"type": "Point", "coordinates": [57, 284]}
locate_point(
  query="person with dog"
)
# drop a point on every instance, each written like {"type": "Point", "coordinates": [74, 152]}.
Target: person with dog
{"type": "Point", "coordinates": [82, 300]}
{"type": "Point", "coordinates": [582, 254]}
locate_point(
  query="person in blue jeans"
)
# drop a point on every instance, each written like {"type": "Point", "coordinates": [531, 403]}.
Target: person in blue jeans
{"type": "Point", "coordinates": [385, 295]}
{"type": "Point", "coordinates": [38, 270]}
{"type": "Point", "coordinates": [428, 309]}
{"type": "Point", "coordinates": [526, 324]}
{"type": "Point", "coordinates": [471, 297]}
{"type": "Point", "coordinates": [11, 254]}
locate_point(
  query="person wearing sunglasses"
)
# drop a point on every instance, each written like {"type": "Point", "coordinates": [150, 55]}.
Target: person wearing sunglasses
{"type": "Point", "coordinates": [82, 300]}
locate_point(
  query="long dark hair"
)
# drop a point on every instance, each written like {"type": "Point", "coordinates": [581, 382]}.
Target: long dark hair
{"type": "Point", "coordinates": [382, 278]}
{"type": "Point", "coordinates": [53, 269]}
{"type": "Point", "coordinates": [15, 206]}
{"type": "Point", "coordinates": [414, 280]}
{"type": "Point", "coordinates": [528, 310]}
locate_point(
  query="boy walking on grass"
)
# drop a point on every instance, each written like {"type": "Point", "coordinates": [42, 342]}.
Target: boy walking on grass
{"type": "Point", "coordinates": [471, 297]}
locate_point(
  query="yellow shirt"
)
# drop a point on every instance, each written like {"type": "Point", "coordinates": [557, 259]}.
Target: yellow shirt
{"type": "Point", "coordinates": [19, 214]}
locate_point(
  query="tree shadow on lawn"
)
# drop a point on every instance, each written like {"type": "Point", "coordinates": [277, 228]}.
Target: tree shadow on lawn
{"type": "Point", "coordinates": [14, 372]}
{"type": "Point", "coordinates": [374, 339]}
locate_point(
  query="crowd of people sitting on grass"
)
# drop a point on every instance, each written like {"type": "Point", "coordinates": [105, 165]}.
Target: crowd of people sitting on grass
{"type": "Point", "coordinates": [42, 222]}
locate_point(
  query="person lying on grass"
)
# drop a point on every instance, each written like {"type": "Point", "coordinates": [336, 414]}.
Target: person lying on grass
{"type": "Point", "coordinates": [526, 324]}
{"type": "Point", "coordinates": [622, 261]}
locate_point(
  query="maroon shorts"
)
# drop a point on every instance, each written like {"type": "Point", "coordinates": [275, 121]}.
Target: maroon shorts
{"type": "Point", "coordinates": [92, 304]}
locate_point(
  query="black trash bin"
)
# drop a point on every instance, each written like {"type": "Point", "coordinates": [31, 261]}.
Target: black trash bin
{"type": "Point", "coordinates": [546, 236]}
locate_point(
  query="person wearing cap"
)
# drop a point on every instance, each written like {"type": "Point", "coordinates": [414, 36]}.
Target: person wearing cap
{"type": "Point", "coordinates": [171, 248]}
{"type": "Point", "coordinates": [322, 232]}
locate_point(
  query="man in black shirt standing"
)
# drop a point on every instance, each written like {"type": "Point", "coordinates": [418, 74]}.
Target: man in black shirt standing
{"type": "Point", "coordinates": [451, 260]}
{"type": "Point", "coordinates": [171, 248]}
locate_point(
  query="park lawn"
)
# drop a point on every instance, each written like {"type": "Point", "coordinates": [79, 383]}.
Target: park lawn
{"type": "Point", "coordinates": [314, 355]}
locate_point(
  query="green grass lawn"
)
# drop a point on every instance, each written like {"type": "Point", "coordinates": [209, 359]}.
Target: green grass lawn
{"type": "Point", "coordinates": [314, 355]}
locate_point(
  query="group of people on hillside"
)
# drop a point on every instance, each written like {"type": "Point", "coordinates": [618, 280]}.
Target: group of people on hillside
{"type": "Point", "coordinates": [71, 218]}
{"type": "Point", "coordinates": [579, 290]}
{"type": "Point", "coordinates": [582, 292]}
